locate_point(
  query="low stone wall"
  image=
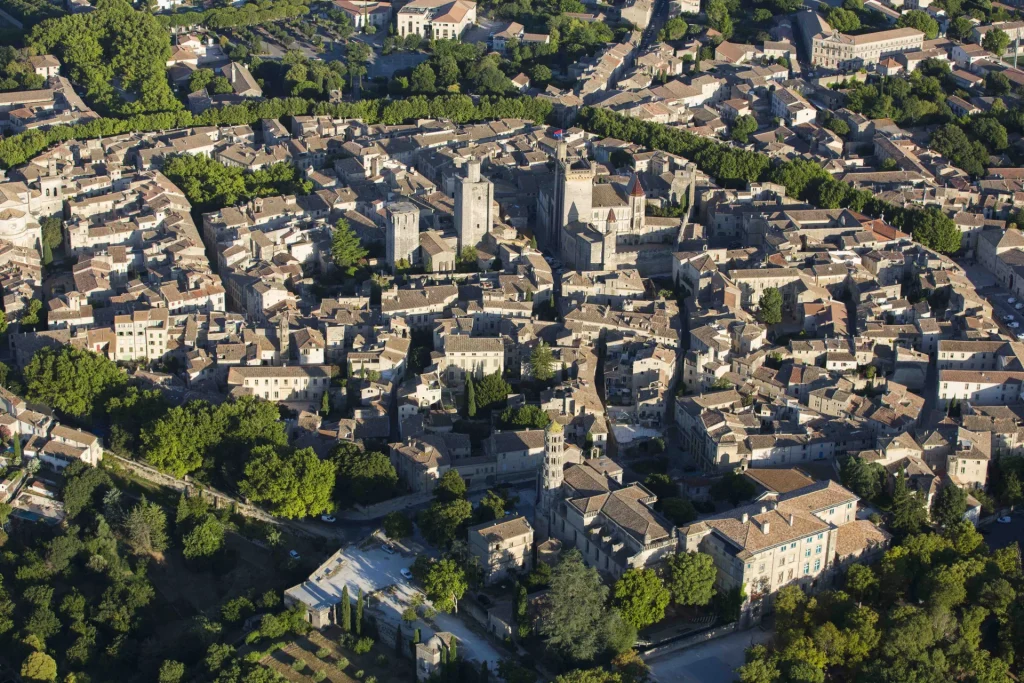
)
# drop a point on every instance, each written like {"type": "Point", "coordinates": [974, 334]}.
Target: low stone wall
{"type": "Point", "coordinates": [689, 641]}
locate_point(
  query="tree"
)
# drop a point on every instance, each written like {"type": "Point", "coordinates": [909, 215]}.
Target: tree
{"type": "Point", "coordinates": [359, 612]}
{"type": "Point", "coordinates": [990, 133]}
{"type": "Point", "coordinates": [864, 479]}
{"type": "Point", "coordinates": [951, 142]}
{"type": "Point", "coordinates": [691, 578]}
{"type": "Point", "coordinates": [861, 582]}
{"type": "Point", "coordinates": [423, 79]}
{"type": "Point", "coordinates": [363, 478]}
{"type": "Point", "coordinates": [71, 380]}
{"type": "Point", "coordinates": [346, 249]}
{"type": "Point", "coordinates": [171, 671]}
{"type": "Point", "coordinates": [997, 83]}
{"type": "Point", "coordinates": [996, 41]}
{"type": "Point", "coordinates": [718, 17]}
{"type": "Point", "coordinates": [297, 484]}
{"type": "Point", "coordinates": [397, 525]}
{"type": "Point", "coordinates": [204, 540]}
{"type": "Point", "coordinates": [960, 28]}
{"type": "Point", "coordinates": [949, 507]}
{"type": "Point", "coordinates": [922, 21]}
{"type": "Point", "coordinates": [843, 20]}
{"type": "Point", "coordinates": [445, 584]}
{"type": "Point", "coordinates": [470, 397]}
{"type": "Point", "coordinates": [525, 417]}
{"type": "Point", "coordinates": [39, 666]}
{"type": "Point", "coordinates": [576, 609]}
{"type": "Point", "coordinates": [491, 507]}
{"type": "Point", "coordinates": [346, 610]}
{"type": "Point", "coordinates": [53, 233]}
{"type": "Point", "coordinates": [678, 509]}
{"type": "Point", "coordinates": [936, 231]}
{"type": "Point", "coordinates": [734, 488]}
{"type": "Point", "coordinates": [442, 521]}
{"type": "Point", "coordinates": [325, 404]}
{"type": "Point", "coordinates": [675, 29]}
{"type": "Point", "coordinates": [542, 362]}
{"type": "Point", "coordinates": [743, 128]}
{"type": "Point", "coordinates": [450, 487]}
{"type": "Point", "coordinates": [146, 528]}
{"type": "Point", "coordinates": [908, 513]}
{"type": "Point", "coordinates": [540, 74]}
{"type": "Point", "coordinates": [641, 597]}
{"type": "Point", "coordinates": [770, 306]}
{"type": "Point", "coordinates": [492, 391]}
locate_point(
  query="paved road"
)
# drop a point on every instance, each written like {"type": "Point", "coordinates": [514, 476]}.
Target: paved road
{"type": "Point", "coordinates": [712, 662]}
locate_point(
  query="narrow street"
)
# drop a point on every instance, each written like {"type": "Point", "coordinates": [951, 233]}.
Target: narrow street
{"type": "Point", "coordinates": [712, 662]}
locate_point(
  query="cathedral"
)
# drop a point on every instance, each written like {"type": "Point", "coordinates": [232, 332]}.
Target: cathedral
{"type": "Point", "coordinates": [597, 222]}
{"type": "Point", "coordinates": [586, 506]}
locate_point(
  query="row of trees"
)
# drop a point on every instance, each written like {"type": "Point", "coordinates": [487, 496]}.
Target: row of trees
{"type": "Point", "coordinates": [17, 149]}
{"type": "Point", "coordinates": [249, 14]}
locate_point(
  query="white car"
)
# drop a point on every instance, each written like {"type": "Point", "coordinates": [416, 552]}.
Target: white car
{"type": "Point", "coordinates": [406, 573]}
{"type": "Point", "coordinates": [1007, 318]}
{"type": "Point", "coordinates": [1019, 305]}
{"type": "Point", "coordinates": [1013, 325]}
{"type": "Point", "coordinates": [1005, 519]}
{"type": "Point", "coordinates": [1020, 336]}
{"type": "Point", "coordinates": [328, 518]}
{"type": "Point", "coordinates": [388, 549]}
{"type": "Point", "coordinates": [1011, 300]}
{"type": "Point", "coordinates": [293, 554]}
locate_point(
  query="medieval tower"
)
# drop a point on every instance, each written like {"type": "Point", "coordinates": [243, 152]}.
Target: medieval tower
{"type": "Point", "coordinates": [474, 206]}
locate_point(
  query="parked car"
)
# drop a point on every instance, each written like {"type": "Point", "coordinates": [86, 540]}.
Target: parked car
{"type": "Point", "coordinates": [406, 573]}
{"type": "Point", "coordinates": [294, 554]}
{"type": "Point", "coordinates": [1011, 300]}
{"type": "Point", "coordinates": [1005, 519]}
{"type": "Point", "coordinates": [328, 518]}
{"type": "Point", "coordinates": [1020, 336]}
{"type": "Point", "coordinates": [388, 548]}
{"type": "Point", "coordinates": [1007, 318]}
{"type": "Point", "coordinates": [1019, 305]}
{"type": "Point", "coordinates": [1013, 324]}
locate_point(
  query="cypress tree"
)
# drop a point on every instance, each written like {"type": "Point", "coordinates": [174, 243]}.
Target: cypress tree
{"type": "Point", "coordinates": [359, 614]}
{"type": "Point", "coordinates": [17, 448]}
{"type": "Point", "coordinates": [398, 639]}
{"type": "Point", "coordinates": [453, 661]}
{"type": "Point", "coordinates": [346, 610]}
{"type": "Point", "coordinates": [470, 397]}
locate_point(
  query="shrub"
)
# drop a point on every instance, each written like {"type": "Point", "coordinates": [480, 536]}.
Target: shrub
{"type": "Point", "coordinates": [362, 646]}
{"type": "Point", "coordinates": [371, 679]}
{"type": "Point", "coordinates": [342, 663]}
{"type": "Point", "coordinates": [323, 653]}
{"type": "Point", "coordinates": [359, 675]}
{"type": "Point", "coordinates": [382, 660]}
{"type": "Point", "coordinates": [320, 676]}
{"type": "Point", "coordinates": [298, 665]}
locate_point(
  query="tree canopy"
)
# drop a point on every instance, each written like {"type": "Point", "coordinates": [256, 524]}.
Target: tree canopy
{"type": "Point", "coordinates": [295, 484]}
{"type": "Point", "coordinates": [641, 597]}
{"type": "Point", "coordinates": [70, 380]}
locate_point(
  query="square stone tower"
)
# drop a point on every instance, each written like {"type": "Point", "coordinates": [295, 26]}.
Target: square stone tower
{"type": "Point", "coordinates": [403, 232]}
{"type": "Point", "coordinates": [474, 205]}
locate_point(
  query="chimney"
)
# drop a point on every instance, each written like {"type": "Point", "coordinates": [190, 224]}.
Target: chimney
{"type": "Point", "coordinates": [766, 528]}
{"type": "Point", "coordinates": [763, 509]}
{"type": "Point", "coordinates": [791, 519]}
{"type": "Point", "coordinates": [745, 518]}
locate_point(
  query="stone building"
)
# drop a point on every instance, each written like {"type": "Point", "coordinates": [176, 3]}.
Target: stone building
{"type": "Point", "coordinates": [502, 546]}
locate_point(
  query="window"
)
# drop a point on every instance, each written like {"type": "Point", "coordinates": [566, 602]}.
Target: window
{"type": "Point", "coordinates": [807, 567]}
{"type": "Point", "coordinates": [807, 553]}
{"type": "Point", "coordinates": [817, 565]}
{"type": "Point", "coordinates": [817, 550]}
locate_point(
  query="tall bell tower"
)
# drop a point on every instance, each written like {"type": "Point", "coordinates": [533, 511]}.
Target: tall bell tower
{"type": "Point", "coordinates": [549, 483]}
